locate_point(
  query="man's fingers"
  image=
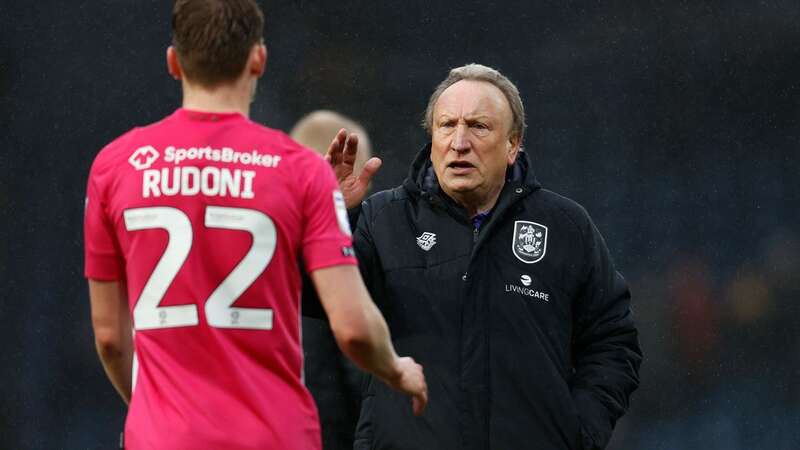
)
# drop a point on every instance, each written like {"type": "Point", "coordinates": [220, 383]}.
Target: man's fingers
{"type": "Point", "coordinates": [419, 402]}
{"type": "Point", "coordinates": [333, 155]}
{"type": "Point", "coordinates": [416, 405]}
{"type": "Point", "coordinates": [341, 136]}
{"type": "Point", "coordinates": [350, 149]}
{"type": "Point", "coordinates": [371, 167]}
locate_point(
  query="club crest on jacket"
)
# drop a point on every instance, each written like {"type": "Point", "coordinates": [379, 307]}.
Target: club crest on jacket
{"type": "Point", "coordinates": [529, 242]}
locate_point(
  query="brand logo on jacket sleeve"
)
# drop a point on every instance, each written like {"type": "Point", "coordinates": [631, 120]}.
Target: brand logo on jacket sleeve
{"type": "Point", "coordinates": [529, 242]}
{"type": "Point", "coordinates": [426, 240]}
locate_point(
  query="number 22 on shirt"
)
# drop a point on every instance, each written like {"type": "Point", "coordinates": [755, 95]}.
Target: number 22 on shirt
{"type": "Point", "coordinates": [148, 315]}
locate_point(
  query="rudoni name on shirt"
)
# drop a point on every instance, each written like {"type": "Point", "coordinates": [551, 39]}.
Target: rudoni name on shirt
{"type": "Point", "coordinates": [191, 180]}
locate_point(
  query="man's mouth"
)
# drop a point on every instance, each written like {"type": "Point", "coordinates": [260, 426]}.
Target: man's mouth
{"type": "Point", "coordinates": [460, 165]}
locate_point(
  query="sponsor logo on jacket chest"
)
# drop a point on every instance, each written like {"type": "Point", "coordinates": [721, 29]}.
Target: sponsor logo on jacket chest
{"type": "Point", "coordinates": [525, 290]}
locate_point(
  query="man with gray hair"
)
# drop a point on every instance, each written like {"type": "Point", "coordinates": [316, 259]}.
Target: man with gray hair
{"type": "Point", "coordinates": [503, 290]}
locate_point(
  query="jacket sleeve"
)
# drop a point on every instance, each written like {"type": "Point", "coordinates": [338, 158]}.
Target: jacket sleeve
{"type": "Point", "coordinates": [311, 304]}
{"type": "Point", "coordinates": [605, 346]}
{"type": "Point", "coordinates": [368, 261]}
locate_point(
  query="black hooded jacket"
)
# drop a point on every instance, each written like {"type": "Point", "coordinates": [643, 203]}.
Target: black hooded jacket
{"type": "Point", "coordinates": [523, 326]}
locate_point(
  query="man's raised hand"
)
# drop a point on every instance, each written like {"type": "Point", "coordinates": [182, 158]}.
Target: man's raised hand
{"type": "Point", "coordinates": [342, 157]}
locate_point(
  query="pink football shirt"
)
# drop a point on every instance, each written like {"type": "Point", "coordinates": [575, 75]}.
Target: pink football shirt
{"type": "Point", "coordinates": [205, 216]}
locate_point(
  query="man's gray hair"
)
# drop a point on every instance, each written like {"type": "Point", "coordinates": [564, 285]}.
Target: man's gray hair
{"type": "Point", "coordinates": [478, 72]}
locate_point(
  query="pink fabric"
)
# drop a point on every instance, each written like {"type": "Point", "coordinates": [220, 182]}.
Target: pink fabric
{"type": "Point", "coordinates": [202, 386]}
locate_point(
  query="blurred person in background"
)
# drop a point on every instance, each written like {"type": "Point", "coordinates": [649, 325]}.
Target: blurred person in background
{"type": "Point", "coordinates": [504, 290]}
{"type": "Point", "coordinates": [695, 317]}
{"type": "Point", "coordinates": [193, 229]}
{"type": "Point", "coordinates": [332, 379]}
{"type": "Point", "coordinates": [316, 129]}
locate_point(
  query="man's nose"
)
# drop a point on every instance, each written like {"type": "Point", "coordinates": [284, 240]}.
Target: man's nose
{"type": "Point", "coordinates": [460, 141]}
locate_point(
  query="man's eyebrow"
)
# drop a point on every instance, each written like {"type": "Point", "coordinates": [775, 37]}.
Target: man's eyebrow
{"type": "Point", "coordinates": [467, 117]}
{"type": "Point", "coordinates": [478, 117]}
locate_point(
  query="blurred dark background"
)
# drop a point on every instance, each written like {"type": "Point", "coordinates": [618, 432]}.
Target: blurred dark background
{"type": "Point", "coordinates": [675, 123]}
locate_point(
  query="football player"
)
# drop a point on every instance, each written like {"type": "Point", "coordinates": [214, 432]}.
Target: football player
{"type": "Point", "coordinates": [193, 228]}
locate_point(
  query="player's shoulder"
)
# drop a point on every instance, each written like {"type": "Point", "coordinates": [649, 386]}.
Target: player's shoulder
{"type": "Point", "coordinates": [110, 154]}
{"type": "Point", "coordinates": [120, 147]}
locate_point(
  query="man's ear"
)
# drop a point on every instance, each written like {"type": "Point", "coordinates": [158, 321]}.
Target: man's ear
{"type": "Point", "coordinates": [173, 64]}
{"type": "Point", "coordinates": [513, 146]}
{"type": "Point", "coordinates": [258, 60]}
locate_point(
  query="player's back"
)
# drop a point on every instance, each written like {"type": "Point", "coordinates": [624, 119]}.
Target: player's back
{"type": "Point", "coordinates": [210, 213]}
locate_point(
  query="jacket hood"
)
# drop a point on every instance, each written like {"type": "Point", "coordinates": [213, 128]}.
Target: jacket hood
{"type": "Point", "coordinates": [422, 179]}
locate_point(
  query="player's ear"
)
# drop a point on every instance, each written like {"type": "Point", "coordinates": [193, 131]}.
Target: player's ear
{"type": "Point", "coordinates": [258, 59]}
{"type": "Point", "coordinates": [173, 65]}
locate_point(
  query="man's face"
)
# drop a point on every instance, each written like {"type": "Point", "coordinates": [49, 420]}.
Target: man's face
{"type": "Point", "coordinates": [471, 146]}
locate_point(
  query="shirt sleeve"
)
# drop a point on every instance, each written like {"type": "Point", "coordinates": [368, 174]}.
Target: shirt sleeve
{"type": "Point", "coordinates": [103, 259]}
{"type": "Point", "coordinates": [327, 239]}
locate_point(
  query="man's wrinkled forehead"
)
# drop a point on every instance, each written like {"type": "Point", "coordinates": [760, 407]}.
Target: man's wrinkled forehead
{"type": "Point", "coordinates": [472, 100]}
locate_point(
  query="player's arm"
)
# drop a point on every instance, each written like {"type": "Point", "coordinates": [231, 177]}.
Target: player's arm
{"type": "Point", "coordinates": [113, 338]}
{"type": "Point", "coordinates": [362, 334]}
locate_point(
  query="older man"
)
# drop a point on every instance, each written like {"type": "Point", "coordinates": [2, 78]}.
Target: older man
{"type": "Point", "coordinates": [504, 291]}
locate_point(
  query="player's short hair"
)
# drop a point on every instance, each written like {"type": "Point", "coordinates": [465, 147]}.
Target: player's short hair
{"type": "Point", "coordinates": [213, 38]}
{"type": "Point", "coordinates": [478, 72]}
{"type": "Point", "coordinates": [318, 128]}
